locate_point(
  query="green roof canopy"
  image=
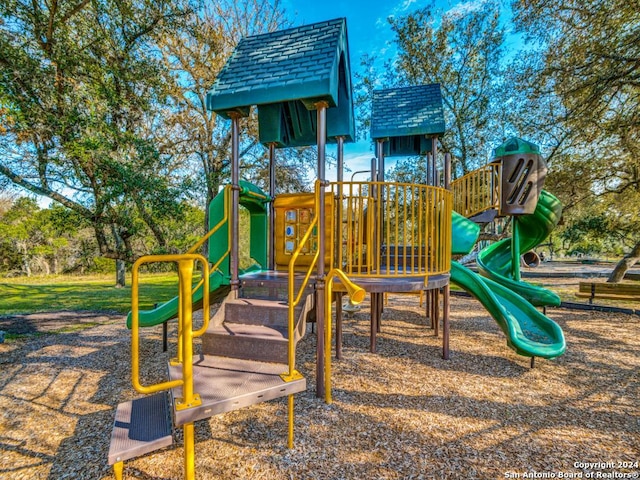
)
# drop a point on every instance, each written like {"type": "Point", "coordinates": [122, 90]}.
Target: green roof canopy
{"type": "Point", "coordinates": [514, 146]}
{"type": "Point", "coordinates": [285, 73]}
{"type": "Point", "coordinates": [407, 117]}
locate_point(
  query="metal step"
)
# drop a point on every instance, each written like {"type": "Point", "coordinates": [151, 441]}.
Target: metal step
{"type": "Point", "coordinates": [250, 342]}
{"type": "Point", "coordinates": [141, 426]}
{"type": "Point", "coordinates": [271, 284]}
{"type": "Point", "coordinates": [225, 384]}
{"type": "Point", "coordinates": [258, 311]}
{"type": "Point", "coordinates": [272, 292]}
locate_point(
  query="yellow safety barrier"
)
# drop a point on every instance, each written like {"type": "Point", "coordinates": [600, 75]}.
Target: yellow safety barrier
{"type": "Point", "coordinates": [185, 323]}
{"type": "Point", "coordinates": [412, 234]}
{"type": "Point", "coordinates": [185, 339]}
{"type": "Point", "coordinates": [477, 191]}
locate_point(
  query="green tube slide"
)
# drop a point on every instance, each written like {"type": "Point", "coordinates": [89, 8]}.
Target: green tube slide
{"type": "Point", "coordinates": [528, 331]}
{"type": "Point", "coordinates": [494, 261]}
{"type": "Point", "coordinates": [254, 200]}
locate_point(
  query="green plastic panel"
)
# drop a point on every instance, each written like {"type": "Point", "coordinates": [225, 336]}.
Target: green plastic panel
{"type": "Point", "coordinates": [253, 199]}
{"type": "Point", "coordinates": [515, 146]}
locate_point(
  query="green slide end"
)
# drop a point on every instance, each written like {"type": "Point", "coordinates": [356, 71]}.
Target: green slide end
{"type": "Point", "coordinates": [494, 261]}
{"type": "Point", "coordinates": [528, 332]}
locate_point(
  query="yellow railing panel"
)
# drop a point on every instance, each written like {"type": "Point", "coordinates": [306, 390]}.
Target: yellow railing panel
{"type": "Point", "coordinates": [411, 235]}
{"type": "Point", "coordinates": [477, 191]}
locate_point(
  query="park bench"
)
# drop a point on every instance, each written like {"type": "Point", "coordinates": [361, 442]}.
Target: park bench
{"type": "Point", "coordinates": [619, 291]}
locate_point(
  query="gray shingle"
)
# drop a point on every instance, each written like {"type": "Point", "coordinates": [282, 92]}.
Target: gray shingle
{"type": "Point", "coordinates": [306, 52]}
{"type": "Point", "coordinates": [399, 112]}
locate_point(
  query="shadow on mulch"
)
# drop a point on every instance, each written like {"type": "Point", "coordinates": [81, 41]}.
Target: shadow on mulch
{"type": "Point", "coordinates": [48, 322]}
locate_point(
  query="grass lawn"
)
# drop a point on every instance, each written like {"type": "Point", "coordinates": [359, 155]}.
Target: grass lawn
{"type": "Point", "coordinates": [96, 293]}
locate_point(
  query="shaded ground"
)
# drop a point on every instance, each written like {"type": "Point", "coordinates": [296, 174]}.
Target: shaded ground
{"type": "Point", "coordinates": [53, 321]}
{"type": "Point", "coordinates": [403, 413]}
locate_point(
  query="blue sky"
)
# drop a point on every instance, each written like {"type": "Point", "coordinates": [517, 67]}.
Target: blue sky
{"type": "Point", "coordinates": [367, 24]}
{"type": "Point", "coordinates": [368, 31]}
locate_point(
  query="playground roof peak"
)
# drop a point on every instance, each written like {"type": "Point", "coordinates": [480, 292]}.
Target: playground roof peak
{"type": "Point", "coordinates": [515, 146]}
{"type": "Point", "coordinates": [286, 73]}
{"type": "Point", "coordinates": [408, 116]}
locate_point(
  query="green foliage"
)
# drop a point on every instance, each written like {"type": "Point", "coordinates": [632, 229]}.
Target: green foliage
{"type": "Point", "coordinates": [102, 265]}
{"type": "Point", "coordinates": [579, 87]}
{"type": "Point", "coordinates": [460, 50]}
{"type": "Point", "coordinates": [56, 239]}
{"type": "Point", "coordinates": [102, 109]}
{"type": "Point", "coordinates": [81, 90]}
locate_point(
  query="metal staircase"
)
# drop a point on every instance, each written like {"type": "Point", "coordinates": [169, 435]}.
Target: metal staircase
{"type": "Point", "coordinates": [244, 361]}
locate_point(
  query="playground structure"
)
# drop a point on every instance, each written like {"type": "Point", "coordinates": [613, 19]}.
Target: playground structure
{"type": "Point", "coordinates": [309, 249]}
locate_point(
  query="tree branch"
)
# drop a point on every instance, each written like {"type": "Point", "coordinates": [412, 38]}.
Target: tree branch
{"type": "Point", "coordinates": [22, 182]}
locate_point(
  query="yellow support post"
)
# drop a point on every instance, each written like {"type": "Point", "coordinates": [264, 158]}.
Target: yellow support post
{"type": "Point", "coordinates": [117, 470]}
{"type": "Point", "coordinates": [290, 430]}
{"type": "Point", "coordinates": [189, 452]}
{"type": "Point", "coordinates": [185, 274]}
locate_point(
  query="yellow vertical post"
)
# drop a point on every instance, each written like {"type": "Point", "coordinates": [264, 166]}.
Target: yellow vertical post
{"type": "Point", "coordinates": [189, 451]}
{"type": "Point", "coordinates": [117, 470]}
{"type": "Point", "coordinates": [290, 433]}
{"type": "Point", "coordinates": [185, 274]}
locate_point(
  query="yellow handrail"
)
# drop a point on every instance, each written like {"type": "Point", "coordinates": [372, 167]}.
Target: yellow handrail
{"type": "Point", "coordinates": [185, 321]}
{"type": "Point", "coordinates": [356, 296]}
{"type": "Point", "coordinates": [186, 335]}
{"type": "Point", "coordinates": [293, 298]}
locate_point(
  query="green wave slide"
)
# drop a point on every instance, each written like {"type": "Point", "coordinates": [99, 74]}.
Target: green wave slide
{"type": "Point", "coordinates": [251, 197]}
{"type": "Point", "coordinates": [528, 331]}
{"type": "Point", "coordinates": [494, 261]}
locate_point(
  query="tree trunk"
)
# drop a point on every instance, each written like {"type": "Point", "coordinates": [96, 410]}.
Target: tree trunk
{"type": "Point", "coordinates": [628, 261]}
{"type": "Point", "coordinates": [120, 265]}
{"type": "Point", "coordinates": [26, 265]}
{"type": "Point", "coordinates": [120, 274]}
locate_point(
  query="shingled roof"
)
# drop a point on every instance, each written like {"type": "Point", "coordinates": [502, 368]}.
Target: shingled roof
{"type": "Point", "coordinates": [408, 115]}
{"type": "Point", "coordinates": [285, 73]}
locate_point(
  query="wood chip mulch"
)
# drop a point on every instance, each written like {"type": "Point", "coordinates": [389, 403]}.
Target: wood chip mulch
{"type": "Point", "coordinates": [402, 413]}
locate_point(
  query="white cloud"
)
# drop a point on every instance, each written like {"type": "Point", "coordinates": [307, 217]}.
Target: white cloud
{"type": "Point", "coordinates": [404, 6]}
{"type": "Point", "coordinates": [464, 8]}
